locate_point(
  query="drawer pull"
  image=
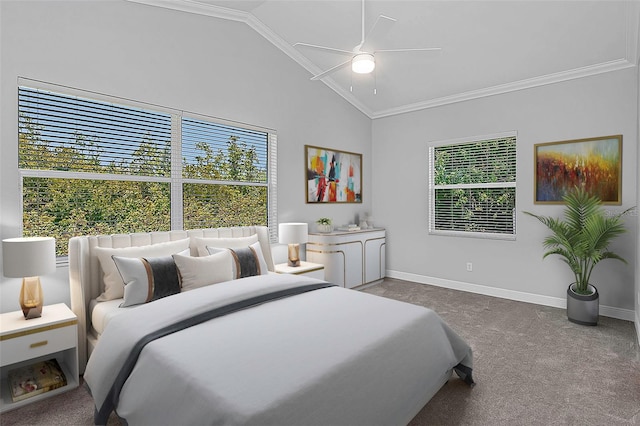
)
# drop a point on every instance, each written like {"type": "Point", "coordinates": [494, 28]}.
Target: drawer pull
{"type": "Point", "coordinates": [38, 344]}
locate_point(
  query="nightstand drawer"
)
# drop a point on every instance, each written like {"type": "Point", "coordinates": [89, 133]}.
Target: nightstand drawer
{"type": "Point", "coordinates": [33, 345]}
{"type": "Point", "coordinates": [316, 273]}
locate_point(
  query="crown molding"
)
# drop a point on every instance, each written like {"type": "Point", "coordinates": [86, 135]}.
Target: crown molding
{"type": "Point", "coordinates": [632, 54]}
{"type": "Point", "coordinates": [198, 8]}
{"type": "Point", "coordinates": [633, 32]}
{"type": "Point", "coordinates": [544, 80]}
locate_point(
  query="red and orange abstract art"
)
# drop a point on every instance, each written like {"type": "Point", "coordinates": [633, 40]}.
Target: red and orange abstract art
{"type": "Point", "coordinates": [333, 176]}
{"type": "Point", "coordinates": [594, 164]}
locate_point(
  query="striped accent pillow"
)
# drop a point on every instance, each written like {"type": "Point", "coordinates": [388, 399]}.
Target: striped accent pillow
{"type": "Point", "coordinates": [147, 279]}
{"type": "Point", "coordinates": [247, 261]}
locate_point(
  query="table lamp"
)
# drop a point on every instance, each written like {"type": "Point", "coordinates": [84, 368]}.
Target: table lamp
{"type": "Point", "coordinates": [293, 234]}
{"type": "Point", "coordinates": [28, 258]}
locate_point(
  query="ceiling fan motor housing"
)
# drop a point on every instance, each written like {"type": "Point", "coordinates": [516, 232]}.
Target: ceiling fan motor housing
{"type": "Point", "coordinates": [363, 63]}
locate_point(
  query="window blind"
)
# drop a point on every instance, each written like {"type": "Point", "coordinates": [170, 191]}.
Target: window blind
{"type": "Point", "coordinates": [474, 163]}
{"type": "Point", "coordinates": [473, 187]}
{"type": "Point", "coordinates": [68, 133]}
{"type": "Point", "coordinates": [220, 152]}
{"type": "Point", "coordinates": [272, 214]}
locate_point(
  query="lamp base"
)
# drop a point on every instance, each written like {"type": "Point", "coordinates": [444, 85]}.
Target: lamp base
{"type": "Point", "coordinates": [294, 255]}
{"type": "Point", "coordinates": [31, 300]}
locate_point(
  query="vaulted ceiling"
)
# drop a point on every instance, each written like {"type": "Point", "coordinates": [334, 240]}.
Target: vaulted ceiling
{"type": "Point", "coordinates": [488, 47]}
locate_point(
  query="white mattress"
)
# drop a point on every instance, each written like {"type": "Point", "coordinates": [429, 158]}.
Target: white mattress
{"type": "Point", "coordinates": [103, 312]}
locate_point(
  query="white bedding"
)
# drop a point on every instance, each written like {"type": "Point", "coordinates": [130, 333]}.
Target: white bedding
{"type": "Point", "coordinates": [330, 356]}
{"type": "Point", "coordinates": [102, 312]}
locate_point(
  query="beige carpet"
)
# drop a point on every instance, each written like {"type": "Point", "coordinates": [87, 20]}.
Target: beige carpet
{"type": "Point", "coordinates": [532, 367]}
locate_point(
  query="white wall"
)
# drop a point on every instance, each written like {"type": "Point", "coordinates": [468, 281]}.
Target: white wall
{"type": "Point", "coordinates": [637, 292]}
{"type": "Point", "coordinates": [178, 60]}
{"type": "Point", "coordinates": [601, 105]}
{"type": "Point", "coordinates": [225, 69]}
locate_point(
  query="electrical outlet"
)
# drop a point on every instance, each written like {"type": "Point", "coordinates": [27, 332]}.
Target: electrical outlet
{"type": "Point", "coordinates": [469, 266]}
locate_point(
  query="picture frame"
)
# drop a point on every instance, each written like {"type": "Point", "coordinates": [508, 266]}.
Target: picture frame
{"type": "Point", "coordinates": [333, 176]}
{"type": "Point", "coordinates": [592, 163]}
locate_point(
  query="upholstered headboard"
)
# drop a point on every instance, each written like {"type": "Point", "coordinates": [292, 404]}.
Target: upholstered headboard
{"type": "Point", "coordinates": [85, 273]}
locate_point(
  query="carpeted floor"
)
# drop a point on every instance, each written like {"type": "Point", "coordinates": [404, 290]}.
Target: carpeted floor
{"type": "Point", "coordinates": [531, 367]}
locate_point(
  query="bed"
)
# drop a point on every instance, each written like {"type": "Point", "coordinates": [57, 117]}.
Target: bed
{"type": "Point", "coordinates": [263, 349]}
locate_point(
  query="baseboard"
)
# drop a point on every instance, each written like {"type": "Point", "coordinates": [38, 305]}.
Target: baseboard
{"type": "Point", "coordinates": [520, 296]}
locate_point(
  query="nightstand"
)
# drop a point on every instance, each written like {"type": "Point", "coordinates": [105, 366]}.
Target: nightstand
{"type": "Point", "coordinates": [308, 269]}
{"type": "Point", "coordinates": [23, 342]}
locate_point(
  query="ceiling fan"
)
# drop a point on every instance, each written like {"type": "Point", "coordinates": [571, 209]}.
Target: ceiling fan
{"type": "Point", "coordinates": [363, 55]}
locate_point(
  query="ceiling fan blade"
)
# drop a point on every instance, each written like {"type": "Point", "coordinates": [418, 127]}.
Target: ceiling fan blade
{"type": "Point", "coordinates": [381, 27]}
{"type": "Point", "coordinates": [330, 70]}
{"type": "Point", "coordinates": [331, 49]}
{"type": "Point", "coordinates": [419, 49]}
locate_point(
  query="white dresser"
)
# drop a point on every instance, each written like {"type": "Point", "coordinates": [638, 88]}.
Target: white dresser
{"type": "Point", "coordinates": [350, 258]}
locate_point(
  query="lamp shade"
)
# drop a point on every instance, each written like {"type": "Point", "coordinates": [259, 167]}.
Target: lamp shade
{"type": "Point", "coordinates": [293, 233]}
{"type": "Point", "coordinates": [28, 256]}
{"type": "Point", "coordinates": [363, 63]}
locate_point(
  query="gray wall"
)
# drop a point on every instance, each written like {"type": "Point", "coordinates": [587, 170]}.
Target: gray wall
{"type": "Point", "coordinates": [637, 298]}
{"type": "Point", "coordinates": [224, 69]}
{"type": "Point", "coordinates": [178, 60]}
{"type": "Point", "coordinates": [600, 105]}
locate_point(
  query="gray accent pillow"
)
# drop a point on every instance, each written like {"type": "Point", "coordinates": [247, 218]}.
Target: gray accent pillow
{"type": "Point", "coordinates": [147, 279]}
{"type": "Point", "coordinates": [113, 284]}
{"type": "Point", "coordinates": [247, 261]}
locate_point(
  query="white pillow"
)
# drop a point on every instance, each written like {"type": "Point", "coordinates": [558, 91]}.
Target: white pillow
{"type": "Point", "coordinates": [113, 283]}
{"type": "Point", "coordinates": [239, 242]}
{"type": "Point", "coordinates": [257, 261]}
{"type": "Point", "coordinates": [147, 279]}
{"type": "Point", "coordinates": [197, 272]}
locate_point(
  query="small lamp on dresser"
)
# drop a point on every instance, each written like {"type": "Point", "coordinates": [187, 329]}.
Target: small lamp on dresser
{"type": "Point", "coordinates": [28, 258]}
{"type": "Point", "coordinates": [293, 234]}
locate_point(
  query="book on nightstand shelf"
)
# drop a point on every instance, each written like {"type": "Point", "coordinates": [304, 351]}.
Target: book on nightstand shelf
{"type": "Point", "coordinates": [35, 379]}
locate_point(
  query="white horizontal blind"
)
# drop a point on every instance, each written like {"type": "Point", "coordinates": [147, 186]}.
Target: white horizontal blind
{"type": "Point", "coordinates": [472, 187]}
{"type": "Point", "coordinates": [214, 151]}
{"type": "Point", "coordinates": [272, 214]}
{"type": "Point", "coordinates": [60, 132]}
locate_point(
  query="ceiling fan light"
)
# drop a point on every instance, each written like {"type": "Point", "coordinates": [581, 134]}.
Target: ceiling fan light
{"type": "Point", "coordinates": [363, 63]}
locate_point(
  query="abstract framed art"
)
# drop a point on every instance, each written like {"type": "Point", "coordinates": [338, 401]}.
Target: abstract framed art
{"type": "Point", "coordinates": [593, 163]}
{"type": "Point", "coordinates": [333, 176]}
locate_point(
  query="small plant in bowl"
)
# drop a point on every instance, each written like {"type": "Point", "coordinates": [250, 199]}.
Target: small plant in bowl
{"type": "Point", "coordinates": [324, 224]}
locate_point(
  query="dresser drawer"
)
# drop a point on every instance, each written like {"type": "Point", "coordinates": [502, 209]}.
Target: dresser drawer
{"type": "Point", "coordinates": [33, 345]}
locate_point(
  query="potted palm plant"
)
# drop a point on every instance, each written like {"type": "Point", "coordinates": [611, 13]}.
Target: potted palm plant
{"type": "Point", "coordinates": [582, 240]}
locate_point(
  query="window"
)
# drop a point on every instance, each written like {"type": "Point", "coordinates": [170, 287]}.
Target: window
{"type": "Point", "coordinates": [92, 166]}
{"type": "Point", "coordinates": [472, 187]}
{"type": "Point", "coordinates": [224, 173]}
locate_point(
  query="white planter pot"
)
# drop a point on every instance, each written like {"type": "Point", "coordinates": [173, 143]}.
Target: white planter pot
{"type": "Point", "coordinates": [324, 228]}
